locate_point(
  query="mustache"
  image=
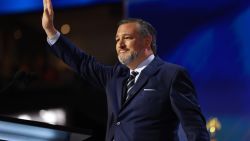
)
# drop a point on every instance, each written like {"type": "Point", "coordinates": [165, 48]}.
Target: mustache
{"type": "Point", "coordinates": [125, 49]}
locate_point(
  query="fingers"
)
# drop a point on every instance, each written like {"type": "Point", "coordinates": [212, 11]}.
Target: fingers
{"type": "Point", "coordinates": [48, 5]}
{"type": "Point", "coordinates": [44, 5]}
{"type": "Point", "coordinates": [46, 12]}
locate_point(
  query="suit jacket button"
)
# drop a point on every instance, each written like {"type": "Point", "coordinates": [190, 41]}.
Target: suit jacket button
{"type": "Point", "coordinates": [118, 123]}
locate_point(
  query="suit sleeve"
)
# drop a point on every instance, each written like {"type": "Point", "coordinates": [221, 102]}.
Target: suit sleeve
{"type": "Point", "coordinates": [185, 105]}
{"type": "Point", "coordinates": [85, 65]}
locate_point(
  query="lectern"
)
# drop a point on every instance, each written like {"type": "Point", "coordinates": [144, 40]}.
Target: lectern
{"type": "Point", "coordinates": [12, 129]}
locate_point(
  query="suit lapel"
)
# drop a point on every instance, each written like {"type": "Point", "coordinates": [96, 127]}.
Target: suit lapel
{"type": "Point", "coordinates": [120, 83]}
{"type": "Point", "coordinates": [143, 78]}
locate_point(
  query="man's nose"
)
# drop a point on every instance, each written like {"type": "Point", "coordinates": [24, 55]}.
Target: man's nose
{"type": "Point", "coordinates": [121, 44]}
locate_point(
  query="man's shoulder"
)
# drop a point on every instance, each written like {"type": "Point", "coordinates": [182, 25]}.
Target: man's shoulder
{"type": "Point", "coordinates": [171, 66]}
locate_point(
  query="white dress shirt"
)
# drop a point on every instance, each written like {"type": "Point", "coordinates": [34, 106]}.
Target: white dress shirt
{"type": "Point", "coordinates": [143, 65]}
{"type": "Point", "coordinates": [53, 40]}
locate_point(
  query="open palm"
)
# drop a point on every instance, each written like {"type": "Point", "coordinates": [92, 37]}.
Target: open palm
{"type": "Point", "coordinates": [47, 18]}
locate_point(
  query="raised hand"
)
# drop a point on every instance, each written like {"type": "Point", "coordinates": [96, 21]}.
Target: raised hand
{"type": "Point", "coordinates": [47, 18]}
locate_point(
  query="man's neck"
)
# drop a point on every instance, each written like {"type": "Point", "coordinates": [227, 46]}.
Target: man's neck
{"type": "Point", "coordinates": [134, 64]}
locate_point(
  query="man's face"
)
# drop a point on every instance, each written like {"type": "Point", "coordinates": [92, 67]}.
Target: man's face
{"type": "Point", "coordinates": [129, 43]}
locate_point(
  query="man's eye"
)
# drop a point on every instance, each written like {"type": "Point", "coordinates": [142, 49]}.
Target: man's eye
{"type": "Point", "coordinates": [128, 37]}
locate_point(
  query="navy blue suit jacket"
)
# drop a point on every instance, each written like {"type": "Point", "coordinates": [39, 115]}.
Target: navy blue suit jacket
{"type": "Point", "coordinates": [162, 97]}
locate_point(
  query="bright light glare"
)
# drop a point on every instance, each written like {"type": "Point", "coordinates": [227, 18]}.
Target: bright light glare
{"type": "Point", "coordinates": [65, 29]}
{"type": "Point", "coordinates": [212, 130]}
{"type": "Point", "coordinates": [25, 117]}
{"type": "Point", "coordinates": [53, 116]}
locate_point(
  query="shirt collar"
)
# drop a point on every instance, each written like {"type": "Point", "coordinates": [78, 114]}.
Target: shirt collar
{"type": "Point", "coordinates": [143, 64]}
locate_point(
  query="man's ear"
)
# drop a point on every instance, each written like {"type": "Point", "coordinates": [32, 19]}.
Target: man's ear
{"type": "Point", "coordinates": [148, 41]}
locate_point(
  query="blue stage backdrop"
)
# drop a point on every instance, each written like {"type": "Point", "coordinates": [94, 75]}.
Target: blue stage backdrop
{"type": "Point", "coordinates": [212, 40]}
{"type": "Point", "coordinates": [20, 6]}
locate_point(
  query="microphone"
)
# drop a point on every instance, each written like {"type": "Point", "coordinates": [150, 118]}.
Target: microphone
{"type": "Point", "coordinates": [21, 79]}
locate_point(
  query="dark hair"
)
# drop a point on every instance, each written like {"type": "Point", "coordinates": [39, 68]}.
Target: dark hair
{"type": "Point", "coordinates": [145, 29]}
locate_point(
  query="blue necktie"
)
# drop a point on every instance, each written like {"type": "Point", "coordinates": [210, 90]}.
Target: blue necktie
{"type": "Point", "coordinates": [130, 83]}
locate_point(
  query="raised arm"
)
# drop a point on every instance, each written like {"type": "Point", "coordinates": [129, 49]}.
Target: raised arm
{"type": "Point", "coordinates": [47, 18]}
{"type": "Point", "coordinates": [82, 63]}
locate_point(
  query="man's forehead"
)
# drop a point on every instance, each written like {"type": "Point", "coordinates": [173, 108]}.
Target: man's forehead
{"type": "Point", "coordinates": [124, 34]}
{"type": "Point", "coordinates": [127, 29]}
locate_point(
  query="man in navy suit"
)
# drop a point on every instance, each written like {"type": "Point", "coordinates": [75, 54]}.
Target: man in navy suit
{"type": "Point", "coordinates": [147, 97]}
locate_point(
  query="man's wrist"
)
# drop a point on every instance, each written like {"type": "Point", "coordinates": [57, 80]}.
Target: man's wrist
{"type": "Point", "coordinates": [52, 39]}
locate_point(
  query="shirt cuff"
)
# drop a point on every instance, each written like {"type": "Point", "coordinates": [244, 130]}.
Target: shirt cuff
{"type": "Point", "coordinates": [52, 41]}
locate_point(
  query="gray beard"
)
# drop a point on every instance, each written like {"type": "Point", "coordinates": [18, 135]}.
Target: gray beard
{"type": "Point", "coordinates": [128, 59]}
